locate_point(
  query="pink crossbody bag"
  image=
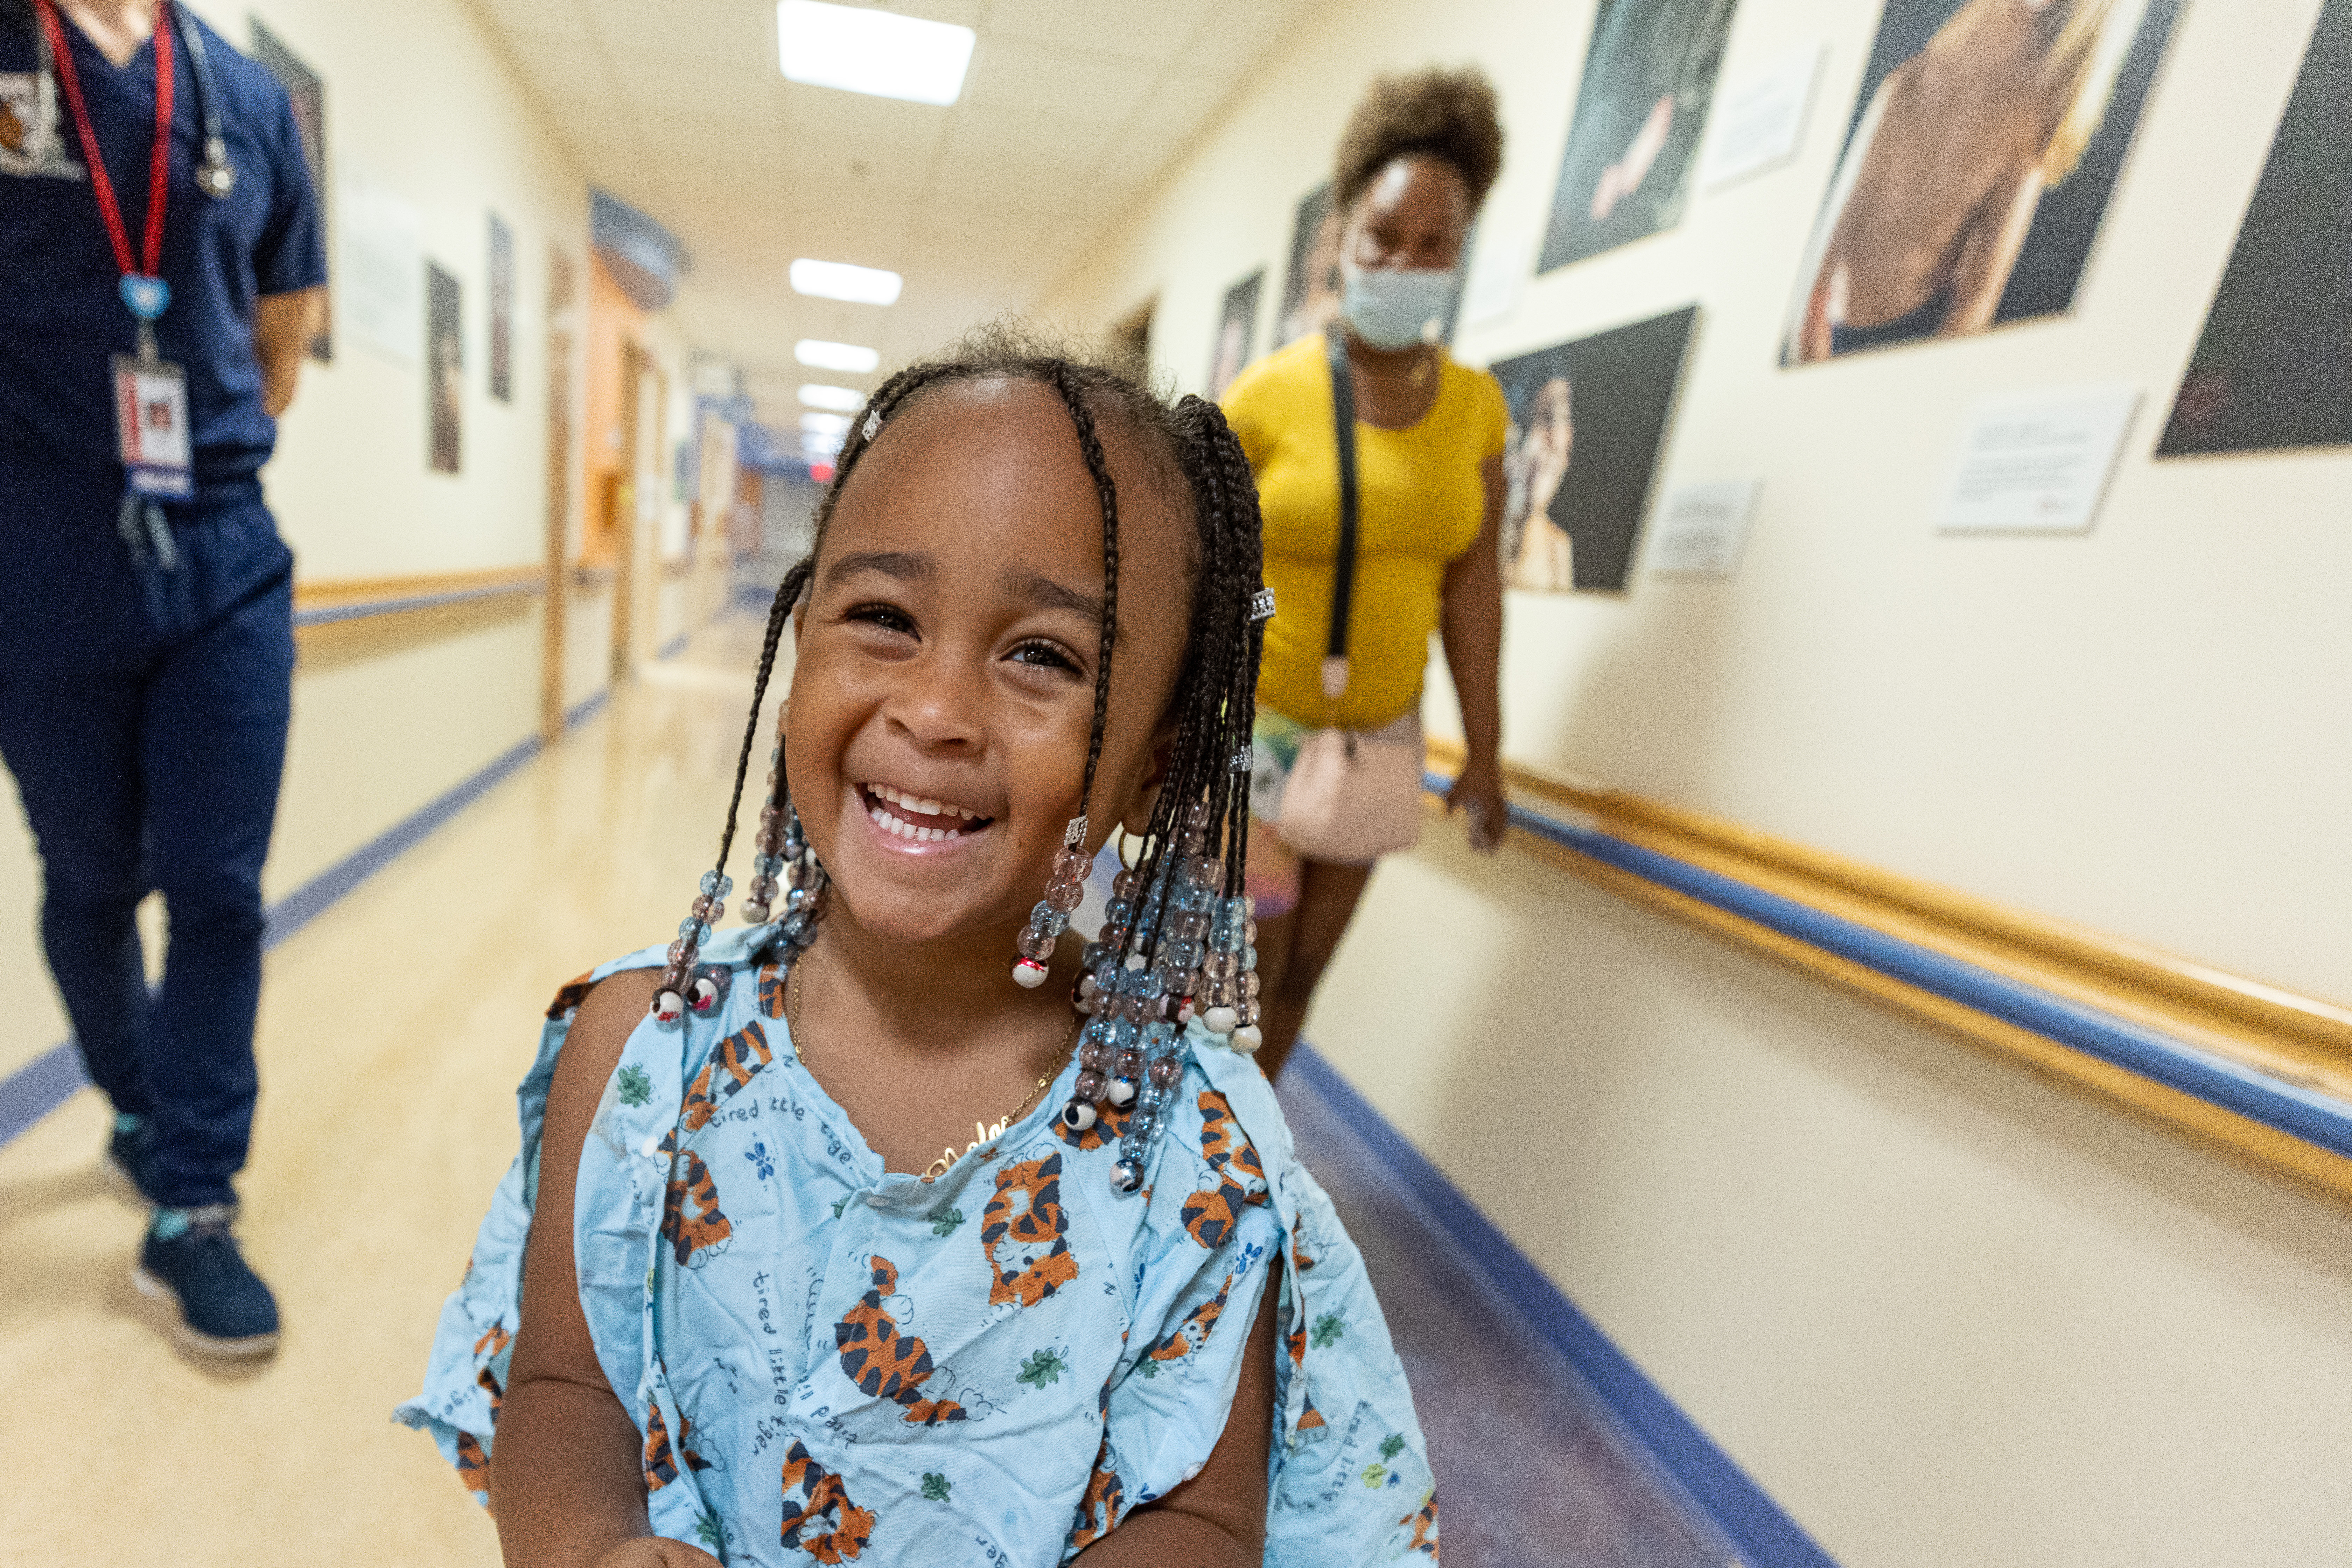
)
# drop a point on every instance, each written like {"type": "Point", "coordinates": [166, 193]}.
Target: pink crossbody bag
{"type": "Point", "coordinates": [1351, 797]}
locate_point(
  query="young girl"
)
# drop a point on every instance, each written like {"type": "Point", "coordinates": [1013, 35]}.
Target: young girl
{"type": "Point", "coordinates": [753, 1292]}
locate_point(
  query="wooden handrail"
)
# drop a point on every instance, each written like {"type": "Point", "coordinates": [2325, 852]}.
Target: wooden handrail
{"type": "Point", "coordinates": [339, 600]}
{"type": "Point", "coordinates": [2296, 1039]}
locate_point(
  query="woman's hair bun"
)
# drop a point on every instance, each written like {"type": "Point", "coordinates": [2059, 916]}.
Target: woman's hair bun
{"type": "Point", "coordinates": [1449, 114]}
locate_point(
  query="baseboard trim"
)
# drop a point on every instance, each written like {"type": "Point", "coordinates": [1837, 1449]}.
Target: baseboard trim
{"type": "Point", "coordinates": [1677, 1449]}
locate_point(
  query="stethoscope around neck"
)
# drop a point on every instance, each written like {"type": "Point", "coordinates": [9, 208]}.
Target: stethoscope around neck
{"type": "Point", "coordinates": [216, 175]}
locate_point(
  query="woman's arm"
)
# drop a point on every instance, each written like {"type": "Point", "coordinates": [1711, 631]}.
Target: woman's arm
{"type": "Point", "coordinates": [565, 1480]}
{"type": "Point", "coordinates": [1471, 627]}
{"type": "Point", "coordinates": [1216, 1520]}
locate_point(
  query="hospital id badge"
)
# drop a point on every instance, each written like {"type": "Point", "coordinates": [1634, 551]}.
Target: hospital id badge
{"type": "Point", "coordinates": [151, 416]}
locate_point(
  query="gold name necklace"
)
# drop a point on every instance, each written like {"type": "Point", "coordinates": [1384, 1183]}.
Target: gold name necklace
{"type": "Point", "coordinates": [988, 1132]}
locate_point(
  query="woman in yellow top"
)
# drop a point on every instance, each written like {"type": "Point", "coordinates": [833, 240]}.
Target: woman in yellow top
{"type": "Point", "coordinates": [1418, 157]}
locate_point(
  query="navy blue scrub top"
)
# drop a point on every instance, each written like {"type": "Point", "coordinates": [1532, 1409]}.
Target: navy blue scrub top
{"type": "Point", "coordinates": [62, 319]}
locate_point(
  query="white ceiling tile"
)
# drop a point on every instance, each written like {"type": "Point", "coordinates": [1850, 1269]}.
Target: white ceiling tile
{"type": "Point", "coordinates": [672, 81]}
{"type": "Point", "coordinates": [559, 16]}
{"type": "Point", "coordinates": [1012, 73]}
{"type": "Point", "coordinates": [718, 142]}
{"type": "Point", "coordinates": [876, 169]}
{"type": "Point", "coordinates": [723, 32]}
{"type": "Point", "coordinates": [561, 63]}
{"type": "Point", "coordinates": [1238, 35]}
{"type": "Point", "coordinates": [1180, 102]}
{"type": "Point", "coordinates": [859, 121]}
{"type": "Point", "coordinates": [1003, 184]}
{"type": "Point", "coordinates": [594, 124]}
{"type": "Point", "coordinates": [1142, 29]}
{"type": "Point", "coordinates": [1044, 141]}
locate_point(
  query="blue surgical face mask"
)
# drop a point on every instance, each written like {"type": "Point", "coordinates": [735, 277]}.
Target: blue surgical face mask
{"type": "Point", "coordinates": [1391, 308]}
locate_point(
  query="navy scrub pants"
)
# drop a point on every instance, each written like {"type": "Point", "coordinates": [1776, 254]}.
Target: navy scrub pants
{"type": "Point", "coordinates": [144, 713]}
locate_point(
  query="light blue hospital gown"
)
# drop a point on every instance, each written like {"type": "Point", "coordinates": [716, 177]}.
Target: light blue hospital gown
{"type": "Point", "coordinates": [827, 1362]}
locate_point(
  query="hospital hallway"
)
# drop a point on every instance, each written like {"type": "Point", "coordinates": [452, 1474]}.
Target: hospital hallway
{"type": "Point", "coordinates": [1799, 546]}
{"type": "Point", "coordinates": [397, 1023]}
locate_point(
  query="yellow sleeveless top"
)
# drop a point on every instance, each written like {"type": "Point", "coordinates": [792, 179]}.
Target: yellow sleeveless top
{"type": "Point", "coordinates": [1421, 499]}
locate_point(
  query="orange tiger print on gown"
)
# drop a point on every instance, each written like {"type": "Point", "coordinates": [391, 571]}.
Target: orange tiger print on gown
{"type": "Point", "coordinates": [472, 1464]}
{"type": "Point", "coordinates": [693, 1239]}
{"type": "Point", "coordinates": [1192, 1333]}
{"type": "Point", "coordinates": [772, 990]}
{"type": "Point", "coordinates": [1027, 1211]}
{"type": "Point", "coordinates": [1424, 1530]}
{"type": "Point", "coordinates": [575, 991]}
{"type": "Point", "coordinates": [1209, 1215]}
{"type": "Point", "coordinates": [823, 1522]}
{"type": "Point", "coordinates": [885, 1364]}
{"type": "Point", "coordinates": [733, 1062]}
{"type": "Point", "coordinates": [1098, 1509]}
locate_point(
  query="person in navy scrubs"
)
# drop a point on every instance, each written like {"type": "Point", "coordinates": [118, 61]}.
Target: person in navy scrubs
{"type": "Point", "coordinates": [146, 625]}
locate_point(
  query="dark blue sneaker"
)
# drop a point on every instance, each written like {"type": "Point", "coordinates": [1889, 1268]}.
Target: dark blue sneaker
{"type": "Point", "coordinates": [191, 1262]}
{"type": "Point", "coordinates": [126, 1157]}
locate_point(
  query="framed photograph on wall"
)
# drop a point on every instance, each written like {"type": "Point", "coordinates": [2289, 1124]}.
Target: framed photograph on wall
{"type": "Point", "coordinates": [1587, 420]}
{"type": "Point", "coordinates": [310, 95]}
{"type": "Point", "coordinates": [445, 369]}
{"type": "Point", "coordinates": [1639, 116]}
{"type": "Point", "coordinates": [1237, 327]}
{"type": "Point", "coordinates": [1978, 165]}
{"type": "Point", "coordinates": [2274, 365]}
{"type": "Point", "coordinates": [502, 310]}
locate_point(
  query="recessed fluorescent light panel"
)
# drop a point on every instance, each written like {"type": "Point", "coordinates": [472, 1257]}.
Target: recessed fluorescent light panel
{"type": "Point", "coordinates": [840, 280]}
{"type": "Point", "coordinates": [876, 52]}
{"type": "Point", "coordinates": [823, 355]}
{"type": "Point", "coordinates": [840, 399]}
{"type": "Point", "coordinates": [831, 425]}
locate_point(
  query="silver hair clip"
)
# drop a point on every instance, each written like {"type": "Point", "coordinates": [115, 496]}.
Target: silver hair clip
{"type": "Point", "coordinates": [873, 423]}
{"type": "Point", "coordinates": [1242, 759]}
{"type": "Point", "coordinates": [1261, 604]}
{"type": "Point", "coordinates": [1075, 834]}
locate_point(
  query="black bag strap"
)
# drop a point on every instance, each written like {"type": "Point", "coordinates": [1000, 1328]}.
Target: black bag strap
{"type": "Point", "coordinates": [1343, 570]}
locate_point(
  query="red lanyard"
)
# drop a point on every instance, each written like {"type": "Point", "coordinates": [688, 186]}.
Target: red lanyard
{"type": "Point", "coordinates": [158, 163]}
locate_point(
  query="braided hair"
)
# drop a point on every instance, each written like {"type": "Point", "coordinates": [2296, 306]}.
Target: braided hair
{"type": "Point", "coordinates": [1199, 828]}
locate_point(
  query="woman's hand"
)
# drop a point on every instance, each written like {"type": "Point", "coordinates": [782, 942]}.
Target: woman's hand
{"type": "Point", "coordinates": [655, 1552]}
{"type": "Point", "coordinates": [1479, 792]}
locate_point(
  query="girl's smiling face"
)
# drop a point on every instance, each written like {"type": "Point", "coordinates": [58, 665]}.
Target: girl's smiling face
{"type": "Point", "coordinates": [943, 686]}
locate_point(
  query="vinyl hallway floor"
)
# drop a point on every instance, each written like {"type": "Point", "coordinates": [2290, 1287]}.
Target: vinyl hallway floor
{"type": "Point", "coordinates": [394, 1029]}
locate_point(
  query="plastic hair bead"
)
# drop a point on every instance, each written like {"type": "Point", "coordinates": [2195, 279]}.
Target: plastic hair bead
{"type": "Point", "coordinates": [1219, 1020]}
{"type": "Point", "coordinates": [1028, 974]}
{"type": "Point", "coordinates": [1089, 1085]}
{"type": "Point", "coordinates": [1165, 1071]}
{"type": "Point", "coordinates": [1121, 1091]}
{"type": "Point", "coordinates": [1077, 1116]}
{"type": "Point", "coordinates": [703, 995]}
{"type": "Point", "coordinates": [669, 1007]}
{"type": "Point", "coordinates": [1036, 946]}
{"type": "Point", "coordinates": [717, 886]}
{"type": "Point", "coordinates": [1247, 1039]}
{"type": "Point", "coordinates": [757, 914]}
{"type": "Point", "coordinates": [1128, 1174]}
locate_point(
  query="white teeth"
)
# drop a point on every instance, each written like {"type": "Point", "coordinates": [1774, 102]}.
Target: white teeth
{"type": "Point", "coordinates": [928, 808]}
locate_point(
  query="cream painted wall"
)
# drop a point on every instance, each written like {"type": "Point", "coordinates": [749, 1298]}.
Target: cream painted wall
{"type": "Point", "coordinates": [1946, 1312]}
{"type": "Point", "coordinates": [2142, 728]}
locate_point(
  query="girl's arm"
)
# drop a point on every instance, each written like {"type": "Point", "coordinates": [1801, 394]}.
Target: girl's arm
{"type": "Point", "coordinates": [565, 1482]}
{"type": "Point", "coordinates": [1216, 1520]}
{"type": "Point", "coordinates": [1472, 629]}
